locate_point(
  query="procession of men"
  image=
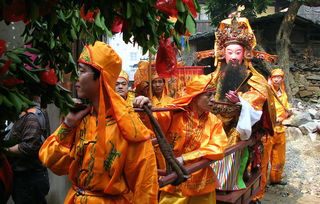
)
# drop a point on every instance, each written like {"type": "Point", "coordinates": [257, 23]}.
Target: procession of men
{"type": "Point", "coordinates": [114, 152]}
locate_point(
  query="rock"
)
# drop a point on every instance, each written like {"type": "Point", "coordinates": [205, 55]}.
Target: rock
{"type": "Point", "coordinates": [305, 93]}
{"type": "Point", "coordinates": [310, 126]}
{"type": "Point", "coordinates": [317, 115]}
{"type": "Point", "coordinates": [314, 136]}
{"type": "Point", "coordinates": [313, 88]}
{"type": "Point", "coordinates": [301, 119]}
{"type": "Point", "coordinates": [293, 133]}
{"type": "Point", "coordinates": [313, 77]}
{"type": "Point", "coordinates": [312, 112]}
{"type": "Point", "coordinates": [304, 130]}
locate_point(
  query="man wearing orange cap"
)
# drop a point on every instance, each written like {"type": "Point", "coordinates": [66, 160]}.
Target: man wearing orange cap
{"type": "Point", "coordinates": [277, 150]}
{"type": "Point", "coordinates": [105, 148]}
{"type": "Point", "coordinates": [194, 133]}
{"type": "Point", "coordinates": [275, 146]}
{"type": "Point", "coordinates": [159, 98]}
{"type": "Point", "coordinates": [234, 43]}
{"type": "Point", "coordinates": [122, 87]}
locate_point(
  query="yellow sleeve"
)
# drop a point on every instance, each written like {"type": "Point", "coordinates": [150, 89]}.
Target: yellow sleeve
{"type": "Point", "coordinates": [254, 98]}
{"type": "Point", "coordinates": [214, 150]}
{"type": "Point", "coordinates": [54, 153]}
{"type": "Point", "coordinates": [141, 172]}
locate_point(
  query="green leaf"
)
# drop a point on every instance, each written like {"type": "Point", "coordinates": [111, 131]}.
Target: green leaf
{"type": "Point", "coordinates": [52, 43]}
{"type": "Point", "coordinates": [97, 21]}
{"type": "Point", "coordinates": [129, 10]}
{"type": "Point", "coordinates": [190, 24]}
{"type": "Point", "coordinates": [180, 6]}
{"type": "Point", "coordinates": [73, 34]}
{"type": "Point", "coordinates": [71, 59]}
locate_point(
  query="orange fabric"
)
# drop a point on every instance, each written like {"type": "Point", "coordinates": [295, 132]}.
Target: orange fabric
{"type": "Point", "coordinates": [277, 156]}
{"type": "Point", "coordinates": [282, 95]}
{"type": "Point", "coordinates": [193, 138]}
{"type": "Point", "coordinates": [124, 75]}
{"type": "Point", "coordinates": [198, 85]}
{"type": "Point", "coordinates": [165, 100]}
{"type": "Point", "coordinates": [91, 154]}
{"type": "Point", "coordinates": [264, 166]}
{"type": "Point", "coordinates": [123, 166]}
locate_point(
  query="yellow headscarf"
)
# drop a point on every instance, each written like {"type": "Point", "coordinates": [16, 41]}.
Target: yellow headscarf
{"type": "Point", "coordinates": [278, 72]}
{"type": "Point", "coordinates": [102, 57]}
{"type": "Point", "coordinates": [199, 84]}
{"type": "Point", "coordinates": [124, 75]}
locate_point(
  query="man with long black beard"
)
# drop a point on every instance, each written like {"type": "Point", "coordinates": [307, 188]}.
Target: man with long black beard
{"type": "Point", "coordinates": [233, 52]}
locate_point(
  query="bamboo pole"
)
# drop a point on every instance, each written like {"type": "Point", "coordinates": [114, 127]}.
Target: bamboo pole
{"type": "Point", "coordinates": [149, 75]}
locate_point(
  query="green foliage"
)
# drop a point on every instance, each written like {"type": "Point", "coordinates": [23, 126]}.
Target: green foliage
{"type": "Point", "coordinates": [52, 26]}
{"type": "Point", "coordinates": [220, 9]}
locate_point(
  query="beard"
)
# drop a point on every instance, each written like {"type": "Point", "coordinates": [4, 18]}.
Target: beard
{"type": "Point", "coordinates": [232, 76]}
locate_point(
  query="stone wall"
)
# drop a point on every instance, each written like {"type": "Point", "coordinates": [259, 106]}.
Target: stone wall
{"type": "Point", "coordinates": [306, 72]}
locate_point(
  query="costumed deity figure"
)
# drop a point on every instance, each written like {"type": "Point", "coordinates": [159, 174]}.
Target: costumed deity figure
{"type": "Point", "coordinates": [122, 87]}
{"type": "Point", "coordinates": [233, 52]}
{"type": "Point", "coordinates": [194, 133]}
{"type": "Point", "coordinates": [275, 146]}
{"type": "Point", "coordinates": [105, 148]}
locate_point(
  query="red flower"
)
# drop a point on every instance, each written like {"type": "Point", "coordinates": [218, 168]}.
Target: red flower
{"type": "Point", "coordinates": [90, 15]}
{"type": "Point", "coordinates": [5, 67]}
{"type": "Point", "coordinates": [3, 47]}
{"type": "Point", "coordinates": [11, 82]}
{"type": "Point", "coordinates": [49, 77]}
{"type": "Point", "coordinates": [117, 25]}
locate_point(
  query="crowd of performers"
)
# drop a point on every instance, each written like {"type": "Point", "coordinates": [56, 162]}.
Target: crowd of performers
{"type": "Point", "coordinates": [106, 148]}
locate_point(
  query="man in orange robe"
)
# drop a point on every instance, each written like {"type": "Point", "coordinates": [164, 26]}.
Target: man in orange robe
{"type": "Point", "coordinates": [122, 87]}
{"type": "Point", "coordinates": [105, 149]}
{"type": "Point", "coordinates": [194, 133]}
{"type": "Point", "coordinates": [159, 96]}
{"type": "Point", "coordinates": [275, 146]}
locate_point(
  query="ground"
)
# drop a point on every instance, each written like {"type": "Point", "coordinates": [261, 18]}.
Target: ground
{"type": "Point", "coordinates": [302, 172]}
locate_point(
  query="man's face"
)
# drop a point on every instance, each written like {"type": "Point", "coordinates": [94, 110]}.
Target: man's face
{"type": "Point", "coordinates": [122, 87]}
{"type": "Point", "coordinates": [86, 86]}
{"type": "Point", "coordinates": [202, 101]}
{"type": "Point", "coordinates": [157, 85]}
{"type": "Point", "coordinates": [276, 80]}
{"type": "Point", "coordinates": [234, 54]}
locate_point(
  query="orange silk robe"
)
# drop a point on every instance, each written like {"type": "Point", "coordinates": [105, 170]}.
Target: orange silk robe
{"type": "Point", "coordinates": [194, 138]}
{"type": "Point", "coordinates": [165, 100]}
{"type": "Point", "coordinates": [281, 113]}
{"type": "Point", "coordinates": [125, 166]}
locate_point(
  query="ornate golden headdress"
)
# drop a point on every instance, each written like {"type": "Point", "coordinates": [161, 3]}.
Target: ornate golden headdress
{"type": "Point", "coordinates": [235, 30]}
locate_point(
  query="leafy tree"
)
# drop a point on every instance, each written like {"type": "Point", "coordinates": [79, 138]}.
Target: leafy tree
{"type": "Point", "coordinates": [220, 9]}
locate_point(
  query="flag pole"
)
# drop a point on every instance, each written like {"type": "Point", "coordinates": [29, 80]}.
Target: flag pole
{"type": "Point", "coordinates": [149, 75]}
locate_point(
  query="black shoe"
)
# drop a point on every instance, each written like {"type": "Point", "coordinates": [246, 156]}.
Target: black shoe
{"type": "Point", "coordinates": [279, 183]}
{"type": "Point", "coordinates": [255, 202]}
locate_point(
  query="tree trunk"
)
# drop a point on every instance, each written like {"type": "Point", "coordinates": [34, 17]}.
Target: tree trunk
{"type": "Point", "coordinates": [283, 42]}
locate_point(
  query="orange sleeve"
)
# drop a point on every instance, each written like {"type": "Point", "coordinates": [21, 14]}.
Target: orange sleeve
{"type": "Point", "coordinates": [254, 98]}
{"type": "Point", "coordinates": [54, 153]}
{"type": "Point", "coordinates": [141, 172]}
{"type": "Point", "coordinates": [217, 143]}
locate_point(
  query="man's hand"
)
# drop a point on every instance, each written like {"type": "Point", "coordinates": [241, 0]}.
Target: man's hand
{"type": "Point", "coordinates": [74, 118]}
{"type": "Point", "coordinates": [233, 97]}
{"type": "Point", "coordinates": [140, 101]}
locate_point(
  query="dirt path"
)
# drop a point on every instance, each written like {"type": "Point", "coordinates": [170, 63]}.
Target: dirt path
{"type": "Point", "coordinates": [302, 172]}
